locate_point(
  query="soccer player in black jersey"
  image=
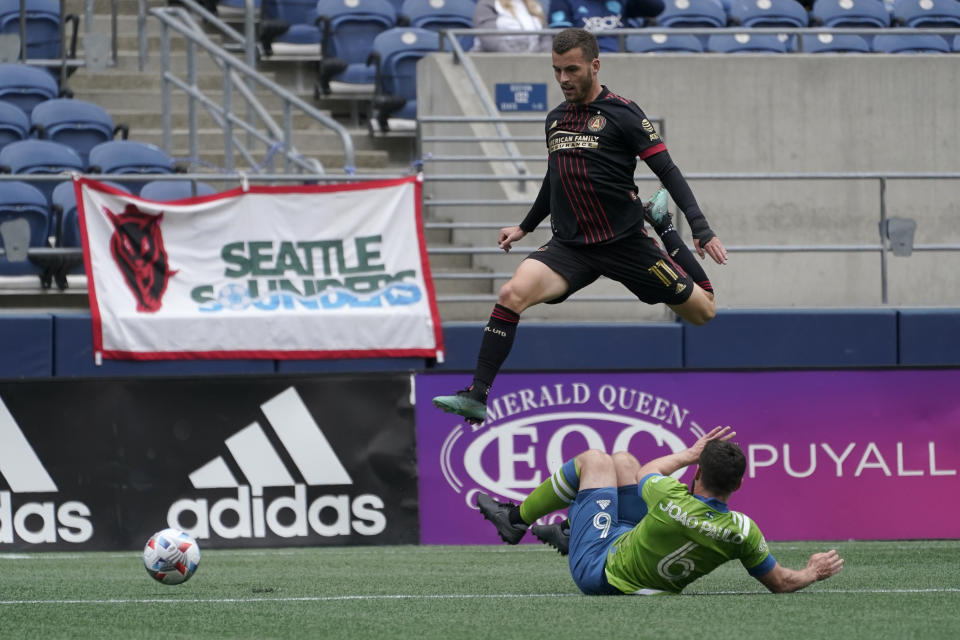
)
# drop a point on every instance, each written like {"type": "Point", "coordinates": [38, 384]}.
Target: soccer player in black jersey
{"type": "Point", "coordinates": [594, 139]}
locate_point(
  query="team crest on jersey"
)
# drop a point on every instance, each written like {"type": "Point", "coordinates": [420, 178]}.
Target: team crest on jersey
{"type": "Point", "coordinates": [596, 123]}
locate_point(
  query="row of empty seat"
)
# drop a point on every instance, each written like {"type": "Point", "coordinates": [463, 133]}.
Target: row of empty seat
{"type": "Point", "coordinates": [747, 42]}
{"type": "Point", "coordinates": [43, 24]}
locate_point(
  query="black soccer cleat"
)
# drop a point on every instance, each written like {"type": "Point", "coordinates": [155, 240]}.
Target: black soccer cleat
{"type": "Point", "coordinates": [555, 535]}
{"type": "Point", "coordinates": [463, 404]}
{"type": "Point", "coordinates": [499, 514]}
{"type": "Point", "coordinates": [656, 213]}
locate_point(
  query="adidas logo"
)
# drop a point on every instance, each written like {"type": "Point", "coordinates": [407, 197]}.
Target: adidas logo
{"type": "Point", "coordinates": [260, 462]}
{"type": "Point", "coordinates": [24, 473]}
{"type": "Point", "coordinates": [603, 504]}
{"type": "Point", "coordinates": [680, 287]}
{"type": "Point", "coordinates": [262, 466]}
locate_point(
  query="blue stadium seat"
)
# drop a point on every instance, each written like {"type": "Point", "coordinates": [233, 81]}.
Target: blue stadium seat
{"type": "Point", "coordinates": [692, 13]}
{"type": "Point", "coordinates": [21, 201]}
{"type": "Point", "coordinates": [910, 43]}
{"type": "Point", "coordinates": [746, 43]}
{"type": "Point", "coordinates": [26, 86]}
{"type": "Point", "coordinates": [78, 124]}
{"type": "Point", "coordinates": [438, 15]}
{"type": "Point", "coordinates": [395, 56]}
{"type": "Point", "coordinates": [956, 43]}
{"type": "Point", "coordinates": [40, 157]}
{"type": "Point", "coordinates": [64, 208]}
{"type": "Point", "coordinates": [664, 43]}
{"type": "Point", "coordinates": [130, 157]}
{"type": "Point", "coordinates": [349, 29]}
{"type": "Point", "coordinates": [769, 13]}
{"type": "Point", "coordinates": [289, 27]}
{"type": "Point", "coordinates": [14, 124]}
{"type": "Point", "coordinates": [835, 43]}
{"type": "Point", "coordinates": [169, 190]}
{"type": "Point", "coordinates": [927, 13]}
{"type": "Point", "coordinates": [851, 13]}
{"type": "Point", "coordinates": [42, 24]}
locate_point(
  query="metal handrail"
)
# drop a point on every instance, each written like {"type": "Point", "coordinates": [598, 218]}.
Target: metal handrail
{"type": "Point", "coordinates": [882, 177]}
{"type": "Point", "coordinates": [236, 73]}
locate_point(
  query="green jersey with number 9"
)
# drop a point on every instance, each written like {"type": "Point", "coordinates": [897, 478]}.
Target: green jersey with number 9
{"type": "Point", "coordinates": [681, 538]}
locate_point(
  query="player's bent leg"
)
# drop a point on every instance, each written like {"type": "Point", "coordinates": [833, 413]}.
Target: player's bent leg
{"type": "Point", "coordinates": [699, 308]}
{"type": "Point", "coordinates": [596, 469]}
{"type": "Point", "coordinates": [627, 467]}
{"type": "Point", "coordinates": [532, 283]}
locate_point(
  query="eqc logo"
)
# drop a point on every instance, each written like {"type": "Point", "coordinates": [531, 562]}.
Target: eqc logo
{"type": "Point", "coordinates": [33, 522]}
{"type": "Point", "coordinates": [250, 514]}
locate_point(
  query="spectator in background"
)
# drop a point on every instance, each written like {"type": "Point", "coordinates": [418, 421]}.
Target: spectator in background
{"type": "Point", "coordinates": [601, 15]}
{"type": "Point", "coordinates": [511, 15]}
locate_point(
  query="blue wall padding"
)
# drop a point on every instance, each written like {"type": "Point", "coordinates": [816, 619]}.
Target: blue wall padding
{"type": "Point", "coordinates": [73, 356]}
{"type": "Point", "coordinates": [544, 346]}
{"type": "Point", "coordinates": [795, 338]}
{"type": "Point", "coordinates": [26, 346]}
{"type": "Point", "coordinates": [930, 337]}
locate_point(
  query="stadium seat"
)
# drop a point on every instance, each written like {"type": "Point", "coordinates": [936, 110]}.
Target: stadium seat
{"type": "Point", "coordinates": [169, 190]}
{"type": "Point", "coordinates": [438, 15]}
{"type": "Point", "coordinates": [956, 43]}
{"type": "Point", "coordinates": [349, 29]}
{"type": "Point", "coordinates": [664, 43]}
{"type": "Point", "coordinates": [20, 201]}
{"type": "Point", "coordinates": [746, 43]}
{"type": "Point", "coordinates": [910, 43]}
{"type": "Point", "coordinates": [835, 43]}
{"type": "Point", "coordinates": [14, 124]}
{"type": "Point", "coordinates": [129, 157]}
{"type": "Point", "coordinates": [769, 13]}
{"type": "Point", "coordinates": [64, 209]}
{"type": "Point", "coordinates": [30, 157]}
{"type": "Point", "coordinates": [927, 13]}
{"type": "Point", "coordinates": [26, 86]}
{"type": "Point", "coordinates": [851, 13]}
{"type": "Point", "coordinates": [395, 55]}
{"type": "Point", "coordinates": [78, 124]}
{"type": "Point", "coordinates": [692, 13]}
{"type": "Point", "coordinates": [289, 27]}
{"type": "Point", "coordinates": [42, 25]}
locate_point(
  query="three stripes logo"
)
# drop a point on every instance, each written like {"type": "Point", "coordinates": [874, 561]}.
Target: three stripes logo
{"type": "Point", "coordinates": [33, 522]}
{"type": "Point", "coordinates": [251, 514]}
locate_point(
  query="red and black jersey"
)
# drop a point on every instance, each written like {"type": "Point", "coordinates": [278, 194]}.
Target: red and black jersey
{"type": "Point", "coordinates": [589, 190]}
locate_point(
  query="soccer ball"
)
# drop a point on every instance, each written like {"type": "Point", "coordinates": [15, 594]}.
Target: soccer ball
{"type": "Point", "coordinates": [171, 556]}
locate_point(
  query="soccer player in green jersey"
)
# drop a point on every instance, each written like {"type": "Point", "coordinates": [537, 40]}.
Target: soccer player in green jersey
{"type": "Point", "coordinates": [636, 530]}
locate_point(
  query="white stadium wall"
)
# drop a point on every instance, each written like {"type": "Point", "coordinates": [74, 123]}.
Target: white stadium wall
{"type": "Point", "coordinates": [769, 113]}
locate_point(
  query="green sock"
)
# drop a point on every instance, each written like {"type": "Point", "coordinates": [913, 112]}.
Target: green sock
{"type": "Point", "coordinates": [557, 492]}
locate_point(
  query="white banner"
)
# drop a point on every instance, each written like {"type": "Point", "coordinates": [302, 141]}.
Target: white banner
{"type": "Point", "coordinates": [336, 271]}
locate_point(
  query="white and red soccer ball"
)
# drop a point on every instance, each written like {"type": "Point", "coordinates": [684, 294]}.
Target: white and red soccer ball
{"type": "Point", "coordinates": [171, 556]}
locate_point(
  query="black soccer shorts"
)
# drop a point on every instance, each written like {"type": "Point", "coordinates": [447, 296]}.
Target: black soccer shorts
{"type": "Point", "coordinates": [636, 261]}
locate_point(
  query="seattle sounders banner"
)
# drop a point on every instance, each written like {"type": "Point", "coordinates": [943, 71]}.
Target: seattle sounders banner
{"type": "Point", "coordinates": [830, 455]}
{"type": "Point", "coordinates": [335, 271]}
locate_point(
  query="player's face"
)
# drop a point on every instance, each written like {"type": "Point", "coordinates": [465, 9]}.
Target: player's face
{"type": "Point", "coordinates": [576, 76]}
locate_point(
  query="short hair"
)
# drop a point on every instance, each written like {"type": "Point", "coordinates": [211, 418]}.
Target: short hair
{"type": "Point", "coordinates": [722, 464]}
{"type": "Point", "coordinates": [572, 38]}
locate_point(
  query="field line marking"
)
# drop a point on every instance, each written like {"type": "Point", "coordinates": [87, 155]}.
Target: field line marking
{"type": "Point", "coordinates": [451, 596]}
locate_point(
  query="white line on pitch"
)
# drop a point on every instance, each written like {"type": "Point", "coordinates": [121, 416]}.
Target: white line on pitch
{"type": "Point", "coordinates": [435, 597]}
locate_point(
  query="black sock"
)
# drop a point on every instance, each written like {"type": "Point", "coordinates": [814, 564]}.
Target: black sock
{"type": "Point", "coordinates": [494, 349]}
{"type": "Point", "coordinates": [514, 516]}
{"type": "Point", "coordinates": [681, 254]}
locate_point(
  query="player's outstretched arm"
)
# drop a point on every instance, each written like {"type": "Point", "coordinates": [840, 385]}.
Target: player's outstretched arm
{"type": "Point", "coordinates": [820, 567]}
{"type": "Point", "coordinates": [666, 465]}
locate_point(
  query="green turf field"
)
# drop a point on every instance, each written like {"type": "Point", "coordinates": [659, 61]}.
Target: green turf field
{"type": "Point", "coordinates": [904, 589]}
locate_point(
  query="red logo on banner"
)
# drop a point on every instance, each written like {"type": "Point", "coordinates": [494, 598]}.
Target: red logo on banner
{"type": "Point", "coordinates": [137, 247]}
